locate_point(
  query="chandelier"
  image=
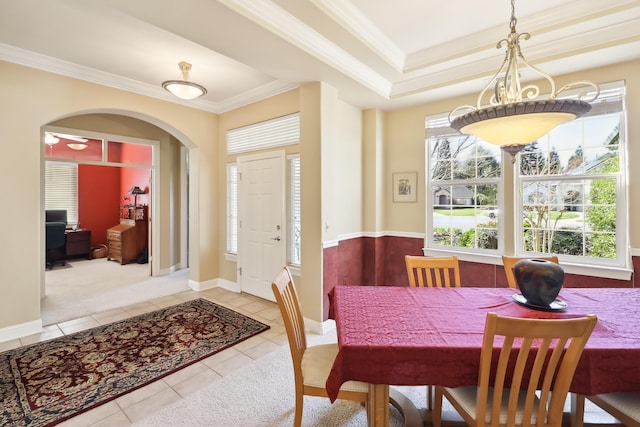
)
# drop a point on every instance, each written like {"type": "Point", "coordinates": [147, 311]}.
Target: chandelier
{"type": "Point", "coordinates": [515, 116]}
{"type": "Point", "coordinates": [184, 88]}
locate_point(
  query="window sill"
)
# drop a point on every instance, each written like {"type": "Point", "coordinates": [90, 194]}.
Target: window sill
{"type": "Point", "coordinates": [618, 273]}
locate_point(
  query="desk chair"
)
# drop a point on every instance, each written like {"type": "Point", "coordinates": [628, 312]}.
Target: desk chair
{"type": "Point", "coordinates": [505, 402]}
{"type": "Point", "coordinates": [311, 365]}
{"type": "Point", "coordinates": [625, 407]}
{"type": "Point", "coordinates": [510, 261]}
{"type": "Point", "coordinates": [433, 271]}
{"type": "Point", "coordinates": [55, 241]}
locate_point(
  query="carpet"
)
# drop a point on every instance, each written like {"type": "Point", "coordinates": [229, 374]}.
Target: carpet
{"type": "Point", "coordinates": [46, 383]}
{"type": "Point", "coordinates": [262, 394]}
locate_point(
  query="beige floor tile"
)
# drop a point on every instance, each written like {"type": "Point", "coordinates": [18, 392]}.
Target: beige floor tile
{"type": "Point", "coordinates": [270, 313]}
{"type": "Point", "coordinates": [221, 356]}
{"type": "Point", "coordinates": [151, 405]}
{"type": "Point", "coordinates": [249, 343]}
{"type": "Point", "coordinates": [89, 323]}
{"type": "Point", "coordinates": [186, 373]}
{"type": "Point", "coordinates": [140, 308]}
{"type": "Point", "coordinates": [94, 415]}
{"type": "Point", "coordinates": [111, 316]}
{"type": "Point", "coordinates": [47, 334]}
{"type": "Point", "coordinates": [141, 394]}
{"type": "Point", "coordinates": [76, 321]}
{"type": "Point", "coordinates": [118, 419]}
{"type": "Point", "coordinates": [195, 383]}
{"type": "Point", "coordinates": [261, 349]}
{"type": "Point", "coordinates": [230, 365]}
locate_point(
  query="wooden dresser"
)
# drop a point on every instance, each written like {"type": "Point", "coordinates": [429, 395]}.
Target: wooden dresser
{"type": "Point", "coordinates": [127, 240]}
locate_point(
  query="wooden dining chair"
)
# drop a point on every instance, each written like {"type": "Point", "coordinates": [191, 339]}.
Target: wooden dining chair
{"type": "Point", "coordinates": [516, 386]}
{"type": "Point", "coordinates": [311, 365]}
{"type": "Point", "coordinates": [625, 407]}
{"type": "Point", "coordinates": [510, 261]}
{"type": "Point", "coordinates": [440, 272]}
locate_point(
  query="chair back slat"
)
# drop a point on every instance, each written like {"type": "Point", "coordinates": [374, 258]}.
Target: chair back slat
{"type": "Point", "coordinates": [535, 356]}
{"type": "Point", "coordinates": [287, 299]}
{"type": "Point", "coordinates": [440, 272]}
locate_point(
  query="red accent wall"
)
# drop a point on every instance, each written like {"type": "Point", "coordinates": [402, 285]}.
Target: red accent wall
{"type": "Point", "coordinates": [98, 200]}
{"type": "Point", "coordinates": [101, 192]}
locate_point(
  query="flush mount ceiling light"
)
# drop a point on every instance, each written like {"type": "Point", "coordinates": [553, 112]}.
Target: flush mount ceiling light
{"type": "Point", "coordinates": [78, 146]}
{"type": "Point", "coordinates": [508, 120]}
{"type": "Point", "coordinates": [184, 88]}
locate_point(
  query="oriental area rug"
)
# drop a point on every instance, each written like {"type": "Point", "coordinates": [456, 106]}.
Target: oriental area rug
{"type": "Point", "coordinates": [46, 383]}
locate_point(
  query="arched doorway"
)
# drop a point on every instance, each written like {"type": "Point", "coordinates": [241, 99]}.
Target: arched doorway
{"type": "Point", "coordinates": [167, 184]}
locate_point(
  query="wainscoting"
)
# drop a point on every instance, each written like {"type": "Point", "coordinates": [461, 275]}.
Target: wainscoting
{"type": "Point", "coordinates": [379, 261]}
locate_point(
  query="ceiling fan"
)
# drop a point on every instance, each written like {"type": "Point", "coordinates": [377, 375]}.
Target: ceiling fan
{"type": "Point", "coordinates": [52, 138]}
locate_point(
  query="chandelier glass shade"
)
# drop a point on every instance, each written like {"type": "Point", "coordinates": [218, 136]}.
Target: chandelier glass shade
{"type": "Point", "coordinates": [513, 115]}
{"type": "Point", "coordinates": [184, 89]}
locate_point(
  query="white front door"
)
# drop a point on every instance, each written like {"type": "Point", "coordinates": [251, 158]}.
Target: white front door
{"type": "Point", "coordinates": [262, 228]}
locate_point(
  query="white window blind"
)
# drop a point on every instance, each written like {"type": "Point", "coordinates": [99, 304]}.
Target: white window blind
{"type": "Point", "coordinates": [232, 208]}
{"type": "Point", "coordinates": [61, 188]}
{"type": "Point", "coordinates": [277, 132]}
{"type": "Point", "coordinates": [293, 207]}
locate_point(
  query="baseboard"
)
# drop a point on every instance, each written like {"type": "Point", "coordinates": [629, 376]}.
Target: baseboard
{"type": "Point", "coordinates": [21, 330]}
{"type": "Point", "coordinates": [214, 283]}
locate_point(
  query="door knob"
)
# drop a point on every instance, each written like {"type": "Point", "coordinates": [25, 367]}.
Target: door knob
{"type": "Point", "coordinates": [276, 238]}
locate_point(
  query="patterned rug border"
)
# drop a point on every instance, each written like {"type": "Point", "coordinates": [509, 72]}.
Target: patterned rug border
{"type": "Point", "coordinates": [12, 390]}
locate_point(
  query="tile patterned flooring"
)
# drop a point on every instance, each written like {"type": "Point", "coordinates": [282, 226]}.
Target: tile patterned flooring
{"type": "Point", "coordinates": [135, 406]}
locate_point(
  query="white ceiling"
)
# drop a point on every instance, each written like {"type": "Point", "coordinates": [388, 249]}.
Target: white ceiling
{"type": "Point", "coordinates": [378, 53]}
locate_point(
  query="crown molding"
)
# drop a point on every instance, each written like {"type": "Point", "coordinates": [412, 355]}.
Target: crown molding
{"type": "Point", "coordinates": [359, 26]}
{"type": "Point", "coordinates": [57, 66]}
{"type": "Point", "coordinates": [268, 15]}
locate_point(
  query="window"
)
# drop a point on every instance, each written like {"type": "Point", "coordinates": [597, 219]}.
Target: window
{"type": "Point", "coordinates": [293, 210]}
{"type": "Point", "coordinates": [61, 188]}
{"type": "Point", "coordinates": [463, 189]}
{"type": "Point", "coordinates": [232, 208]}
{"type": "Point", "coordinates": [570, 189]}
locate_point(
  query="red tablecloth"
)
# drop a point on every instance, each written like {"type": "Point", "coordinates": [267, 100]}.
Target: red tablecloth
{"type": "Point", "coordinates": [421, 336]}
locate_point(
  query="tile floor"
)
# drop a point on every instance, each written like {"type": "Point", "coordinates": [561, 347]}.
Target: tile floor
{"type": "Point", "coordinates": [140, 403]}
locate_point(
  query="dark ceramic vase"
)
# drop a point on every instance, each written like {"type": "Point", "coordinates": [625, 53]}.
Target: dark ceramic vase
{"type": "Point", "coordinates": [539, 280]}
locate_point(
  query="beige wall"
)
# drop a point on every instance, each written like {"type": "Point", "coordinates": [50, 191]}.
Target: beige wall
{"type": "Point", "coordinates": [32, 99]}
{"type": "Point", "coordinates": [404, 142]}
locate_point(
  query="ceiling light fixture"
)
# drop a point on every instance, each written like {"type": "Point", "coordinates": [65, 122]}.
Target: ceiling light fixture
{"type": "Point", "coordinates": [50, 139]}
{"type": "Point", "coordinates": [184, 88]}
{"type": "Point", "coordinates": [78, 146]}
{"type": "Point", "coordinates": [508, 121]}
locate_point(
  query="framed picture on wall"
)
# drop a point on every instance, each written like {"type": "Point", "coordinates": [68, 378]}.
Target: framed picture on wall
{"type": "Point", "coordinates": [405, 187]}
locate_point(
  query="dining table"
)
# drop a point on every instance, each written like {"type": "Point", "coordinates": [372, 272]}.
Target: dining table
{"type": "Point", "coordinates": [410, 336]}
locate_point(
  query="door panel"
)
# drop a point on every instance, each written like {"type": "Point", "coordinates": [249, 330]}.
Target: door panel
{"type": "Point", "coordinates": [261, 250]}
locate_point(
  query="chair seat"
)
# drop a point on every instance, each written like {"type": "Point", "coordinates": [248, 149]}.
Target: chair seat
{"type": "Point", "coordinates": [316, 364]}
{"type": "Point", "coordinates": [467, 398]}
